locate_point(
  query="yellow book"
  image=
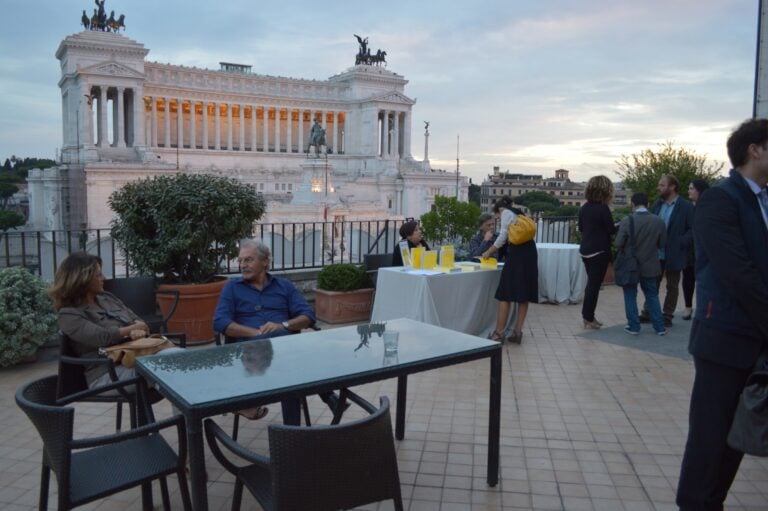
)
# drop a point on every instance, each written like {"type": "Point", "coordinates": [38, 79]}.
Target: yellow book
{"type": "Point", "coordinates": [417, 256]}
{"type": "Point", "coordinates": [430, 259]}
{"type": "Point", "coordinates": [447, 255]}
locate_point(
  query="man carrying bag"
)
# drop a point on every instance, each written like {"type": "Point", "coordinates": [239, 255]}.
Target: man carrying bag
{"type": "Point", "coordinates": [640, 236]}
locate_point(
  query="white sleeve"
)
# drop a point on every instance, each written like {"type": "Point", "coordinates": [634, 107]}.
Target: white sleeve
{"type": "Point", "coordinates": [507, 217]}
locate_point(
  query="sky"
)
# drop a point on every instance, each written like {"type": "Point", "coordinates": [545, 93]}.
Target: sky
{"type": "Point", "coordinates": [529, 86]}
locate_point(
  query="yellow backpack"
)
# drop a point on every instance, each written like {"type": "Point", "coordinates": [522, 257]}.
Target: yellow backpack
{"type": "Point", "coordinates": [522, 231]}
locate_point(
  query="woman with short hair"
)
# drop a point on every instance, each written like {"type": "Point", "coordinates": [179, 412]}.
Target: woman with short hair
{"type": "Point", "coordinates": [410, 232]}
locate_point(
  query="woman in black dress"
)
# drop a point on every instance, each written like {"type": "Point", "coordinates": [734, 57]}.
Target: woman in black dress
{"type": "Point", "coordinates": [596, 227]}
{"type": "Point", "coordinates": [410, 232]}
{"type": "Point", "coordinates": [519, 280]}
{"type": "Point", "coordinates": [695, 191]}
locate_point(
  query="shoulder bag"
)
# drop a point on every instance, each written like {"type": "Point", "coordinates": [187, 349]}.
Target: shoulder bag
{"type": "Point", "coordinates": [521, 231]}
{"type": "Point", "coordinates": [125, 353]}
{"type": "Point", "coordinates": [626, 271]}
{"type": "Point", "coordinates": [749, 431]}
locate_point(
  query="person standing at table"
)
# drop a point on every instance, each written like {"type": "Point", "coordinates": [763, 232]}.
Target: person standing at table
{"type": "Point", "coordinates": [596, 227]}
{"type": "Point", "coordinates": [695, 189]}
{"type": "Point", "coordinates": [482, 241]}
{"type": "Point", "coordinates": [650, 235]}
{"type": "Point", "coordinates": [410, 232]}
{"type": "Point", "coordinates": [729, 328]}
{"type": "Point", "coordinates": [259, 305]}
{"type": "Point", "coordinates": [677, 214]}
{"type": "Point", "coordinates": [519, 280]}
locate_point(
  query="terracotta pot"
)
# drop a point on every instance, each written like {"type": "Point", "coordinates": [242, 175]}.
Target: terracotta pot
{"type": "Point", "coordinates": [608, 279]}
{"type": "Point", "coordinates": [194, 314]}
{"type": "Point", "coordinates": [343, 306]}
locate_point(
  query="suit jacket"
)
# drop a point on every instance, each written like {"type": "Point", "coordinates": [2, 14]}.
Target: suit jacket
{"type": "Point", "coordinates": [731, 323]}
{"type": "Point", "coordinates": [650, 236]}
{"type": "Point", "coordinates": [679, 233]}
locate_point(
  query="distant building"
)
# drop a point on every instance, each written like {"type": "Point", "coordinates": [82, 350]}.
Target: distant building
{"type": "Point", "coordinates": [568, 192]}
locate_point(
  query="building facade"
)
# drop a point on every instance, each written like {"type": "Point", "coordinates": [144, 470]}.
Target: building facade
{"type": "Point", "coordinates": [125, 118]}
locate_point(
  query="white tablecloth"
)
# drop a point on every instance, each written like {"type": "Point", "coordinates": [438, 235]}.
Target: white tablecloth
{"type": "Point", "coordinates": [460, 301]}
{"type": "Point", "coordinates": [562, 276]}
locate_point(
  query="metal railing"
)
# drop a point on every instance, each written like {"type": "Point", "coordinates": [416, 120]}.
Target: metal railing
{"type": "Point", "coordinates": [294, 246]}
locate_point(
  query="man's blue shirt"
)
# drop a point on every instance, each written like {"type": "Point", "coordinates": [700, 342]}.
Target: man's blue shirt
{"type": "Point", "coordinates": [665, 213]}
{"type": "Point", "coordinates": [242, 303]}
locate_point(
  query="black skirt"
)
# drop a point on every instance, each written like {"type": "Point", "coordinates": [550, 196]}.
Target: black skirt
{"type": "Point", "coordinates": [519, 280]}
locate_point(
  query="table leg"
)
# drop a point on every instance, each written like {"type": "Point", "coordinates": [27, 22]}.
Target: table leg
{"type": "Point", "coordinates": [197, 479]}
{"type": "Point", "coordinates": [494, 420]}
{"type": "Point", "coordinates": [402, 392]}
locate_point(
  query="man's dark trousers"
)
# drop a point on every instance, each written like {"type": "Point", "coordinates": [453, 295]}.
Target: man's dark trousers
{"type": "Point", "coordinates": [713, 465]}
{"type": "Point", "coordinates": [673, 292]}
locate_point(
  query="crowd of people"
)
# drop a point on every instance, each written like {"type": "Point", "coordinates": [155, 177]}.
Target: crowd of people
{"type": "Point", "coordinates": [716, 242]}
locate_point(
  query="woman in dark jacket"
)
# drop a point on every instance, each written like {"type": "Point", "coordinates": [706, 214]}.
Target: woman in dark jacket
{"type": "Point", "coordinates": [596, 227]}
{"type": "Point", "coordinates": [410, 232]}
{"type": "Point", "coordinates": [695, 190]}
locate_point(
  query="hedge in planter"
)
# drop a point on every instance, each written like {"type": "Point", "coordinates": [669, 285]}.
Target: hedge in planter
{"type": "Point", "coordinates": [344, 294]}
{"type": "Point", "coordinates": [27, 318]}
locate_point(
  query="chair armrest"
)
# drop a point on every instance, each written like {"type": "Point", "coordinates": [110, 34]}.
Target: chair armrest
{"type": "Point", "coordinates": [115, 385]}
{"type": "Point", "coordinates": [358, 400]}
{"type": "Point", "coordinates": [179, 338]}
{"type": "Point", "coordinates": [86, 443]}
{"type": "Point", "coordinates": [169, 292]}
{"type": "Point", "coordinates": [80, 361]}
{"type": "Point", "coordinates": [215, 434]}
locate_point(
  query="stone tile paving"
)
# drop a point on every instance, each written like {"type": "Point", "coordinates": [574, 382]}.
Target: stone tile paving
{"type": "Point", "coordinates": [586, 425]}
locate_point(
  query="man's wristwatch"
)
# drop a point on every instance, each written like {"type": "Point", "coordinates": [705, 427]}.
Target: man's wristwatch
{"type": "Point", "coordinates": [286, 325]}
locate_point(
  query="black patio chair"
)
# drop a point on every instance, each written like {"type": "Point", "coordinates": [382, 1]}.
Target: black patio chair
{"type": "Point", "coordinates": [88, 469]}
{"type": "Point", "coordinates": [71, 379]}
{"type": "Point", "coordinates": [373, 262]}
{"type": "Point", "coordinates": [139, 294]}
{"type": "Point", "coordinates": [319, 467]}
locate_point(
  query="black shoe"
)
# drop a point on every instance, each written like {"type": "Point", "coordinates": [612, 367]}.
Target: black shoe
{"type": "Point", "coordinates": [645, 318]}
{"type": "Point", "coordinates": [667, 322]}
{"type": "Point", "coordinates": [332, 400]}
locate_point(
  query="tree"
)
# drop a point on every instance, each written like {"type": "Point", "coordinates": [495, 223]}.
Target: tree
{"type": "Point", "coordinates": [10, 220]}
{"type": "Point", "coordinates": [450, 220]}
{"type": "Point", "coordinates": [641, 172]}
{"type": "Point", "coordinates": [474, 193]}
{"type": "Point", "coordinates": [7, 190]}
{"type": "Point", "coordinates": [563, 211]}
{"type": "Point", "coordinates": [537, 201]}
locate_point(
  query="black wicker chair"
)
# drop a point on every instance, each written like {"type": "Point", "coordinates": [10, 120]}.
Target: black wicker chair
{"type": "Point", "coordinates": [88, 469]}
{"type": "Point", "coordinates": [373, 262]}
{"type": "Point", "coordinates": [320, 467]}
{"type": "Point", "coordinates": [139, 294]}
{"type": "Point", "coordinates": [71, 379]}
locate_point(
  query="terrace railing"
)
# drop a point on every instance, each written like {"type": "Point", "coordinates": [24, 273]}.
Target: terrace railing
{"type": "Point", "coordinates": [294, 245]}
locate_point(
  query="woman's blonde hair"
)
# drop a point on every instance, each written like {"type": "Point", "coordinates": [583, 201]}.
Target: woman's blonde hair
{"type": "Point", "coordinates": [599, 189]}
{"type": "Point", "coordinates": [72, 279]}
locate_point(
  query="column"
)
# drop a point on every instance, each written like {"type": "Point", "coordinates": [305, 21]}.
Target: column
{"type": "Point", "coordinates": [167, 122]}
{"type": "Point", "coordinates": [253, 128]}
{"type": "Point", "coordinates": [86, 118]}
{"type": "Point", "coordinates": [140, 119]}
{"type": "Point", "coordinates": [242, 127]}
{"type": "Point", "coordinates": [153, 142]}
{"type": "Point", "coordinates": [120, 117]}
{"type": "Point", "coordinates": [192, 124]}
{"type": "Point", "coordinates": [179, 123]}
{"type": "Point", "coordinates": [229, 126]}
{"type": "Point", "coordinates": [205, 125]}
{"type": "Point", "coordinates": [407, 135]}
{"type": "Point", "coordinates": [336, 132]}
{"type": "Point", "coordinates": [217, 126]}
{"type": "Point", "coordinates": [277, 129]}
{"type": "Point", "coordinates": [265, 130]}
{"type": "Point", "coordinates": [396, 141]}
{"type": "Point", "coordinates": [383, 133]}
{"type": "Point", "coordinates": [289, 131]}
{"type": "Point", "coordinates": [103, 142]}
{"type": "Point", "coordinates": [301, 130]}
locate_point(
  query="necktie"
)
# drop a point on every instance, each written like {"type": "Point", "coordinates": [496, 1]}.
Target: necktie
{"type": "Point", "coordinates": [763, 197]}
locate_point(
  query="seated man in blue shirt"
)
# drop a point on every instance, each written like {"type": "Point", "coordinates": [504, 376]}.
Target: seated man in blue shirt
{"type": "Point", "coordinates": [259, 305]}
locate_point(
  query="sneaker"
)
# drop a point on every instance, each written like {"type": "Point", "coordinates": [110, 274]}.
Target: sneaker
{"type": "Point", "coordinates": [630, 331]}
{"type": "Point", "coordinates": [661, 332]}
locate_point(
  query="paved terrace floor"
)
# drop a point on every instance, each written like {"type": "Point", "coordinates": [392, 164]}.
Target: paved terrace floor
{"type": "Point", "coordinates": [586, 424]}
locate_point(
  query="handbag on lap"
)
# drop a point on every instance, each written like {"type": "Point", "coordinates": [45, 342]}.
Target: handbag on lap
{"type": "Point", "coordinates": [125, 353]}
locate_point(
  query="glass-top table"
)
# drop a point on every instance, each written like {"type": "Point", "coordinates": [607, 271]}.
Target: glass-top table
{"type": "Point", "coordinates": [206, 382]}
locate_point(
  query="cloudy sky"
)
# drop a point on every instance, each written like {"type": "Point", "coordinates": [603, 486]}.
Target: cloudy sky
{"type": "Point", "coordinates": [529, 86]}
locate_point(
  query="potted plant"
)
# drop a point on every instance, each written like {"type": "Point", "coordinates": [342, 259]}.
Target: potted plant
{"type": "Point", "coordinates": [182, 227]}
{"type": "Point", "coordinates": [344, 294]}
{"type": "Point", "coordinates": [27, 318]}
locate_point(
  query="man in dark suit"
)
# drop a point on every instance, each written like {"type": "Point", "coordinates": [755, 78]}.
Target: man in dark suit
{"type": "Point", "coordinates": [649, 236]}
{"type": "Point", "coordinates": [730, 327]}
{"type": "Point", "coordinates": [677, 214]}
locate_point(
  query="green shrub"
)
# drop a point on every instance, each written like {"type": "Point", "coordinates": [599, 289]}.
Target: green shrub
{"type": "Point", "coordinates": [343, 277]}
{"type": "Point", "coordinates": [183, 226]}
{"type": "Point", "coordinates": [27, 318]}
